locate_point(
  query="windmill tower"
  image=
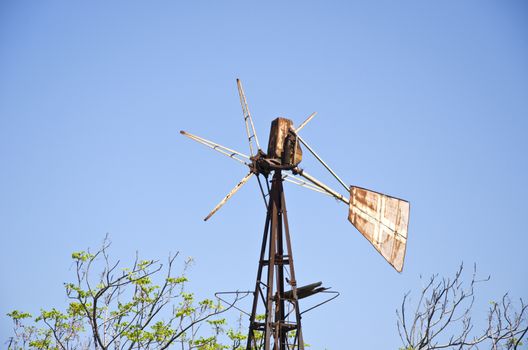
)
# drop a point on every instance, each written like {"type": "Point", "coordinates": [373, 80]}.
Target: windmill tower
{"type": "Point", "coordinates": [381, 219]}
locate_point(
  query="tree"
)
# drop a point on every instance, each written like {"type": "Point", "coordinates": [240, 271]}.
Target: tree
{"type": "Point", "coordinates": [125, 308]}
{"type": "Point", "coordinates": [442, 318]}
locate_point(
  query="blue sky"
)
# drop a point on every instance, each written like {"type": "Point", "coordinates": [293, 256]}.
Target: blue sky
{"type": "Point", "coordinates": [426, 101]}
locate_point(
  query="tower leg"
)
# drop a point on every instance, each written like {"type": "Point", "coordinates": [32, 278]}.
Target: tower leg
{"type": "Point", "coordinates": [274, 332]}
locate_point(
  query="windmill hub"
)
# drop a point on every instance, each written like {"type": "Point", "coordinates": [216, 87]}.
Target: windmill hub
{"type": "Point", "coordinates": [284, 150]}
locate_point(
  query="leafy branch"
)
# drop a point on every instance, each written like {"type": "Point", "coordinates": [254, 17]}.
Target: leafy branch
{"type": "Point", "coordinates": [142, 306]}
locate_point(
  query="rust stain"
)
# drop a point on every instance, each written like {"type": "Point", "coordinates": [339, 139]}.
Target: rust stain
{"type": "Point", "coordinates": [383, 221]}
{"type": "Point", "coordinates": [283, 144]}
{"type": "Point", "coordinates": [279, 130]}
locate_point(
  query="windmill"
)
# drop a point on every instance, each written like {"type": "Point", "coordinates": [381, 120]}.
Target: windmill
{"type": "Point", "coordinates": [381, 219]}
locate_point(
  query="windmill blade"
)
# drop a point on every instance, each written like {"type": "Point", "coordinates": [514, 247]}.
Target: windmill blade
{"type": "Point", "coordinates": [240, 157]}
{"type": "Point", "coordinates": [302, 183]}
{"type": "Point", "coordinates": [250, 127]}
{"type": "Point", "coordinates": [383, 221]}
{"type": "Point", "coordinates": [305, 122]}
{"type": "Point", "coordinates": [229, 195]}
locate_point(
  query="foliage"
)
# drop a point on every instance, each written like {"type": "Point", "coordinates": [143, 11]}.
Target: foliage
{"type": "Point", "coordinates": [442, 318]}
{"type": "Point", "coordinates": [142, 306]}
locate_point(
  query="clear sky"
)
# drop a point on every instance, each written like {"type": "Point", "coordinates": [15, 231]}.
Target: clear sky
{"type": "Point", "coordinates": [423, 100]}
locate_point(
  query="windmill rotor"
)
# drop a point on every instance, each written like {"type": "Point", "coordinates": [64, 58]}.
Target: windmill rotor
{"type": "Point", "coordinates": [383, 220]}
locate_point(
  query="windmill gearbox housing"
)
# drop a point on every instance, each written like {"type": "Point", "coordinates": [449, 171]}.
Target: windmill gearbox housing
{"type": "Point", "coordinates": [283, 143]}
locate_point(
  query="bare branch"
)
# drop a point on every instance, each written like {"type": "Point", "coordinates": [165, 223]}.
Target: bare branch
{"type": "Point", "coordinates": [442, 319]}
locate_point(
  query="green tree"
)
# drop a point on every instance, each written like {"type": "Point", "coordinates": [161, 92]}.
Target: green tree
{"type": "Point", "coordinates": [143, 306]}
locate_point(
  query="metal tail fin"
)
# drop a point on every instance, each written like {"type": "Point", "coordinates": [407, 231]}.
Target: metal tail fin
{"type": "Point", "coordinates": [383, 220]}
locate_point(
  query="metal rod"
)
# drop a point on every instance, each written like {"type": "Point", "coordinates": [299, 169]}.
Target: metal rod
{"type": "Point", "coordinates": [305, 122]}
{"type": "Point", "coordinates": [293, 281]}
{"type": "Point", "coordinates": [322, 185]}
{"type": "Point", "coordinates": [280, 337]}
{"type": "Point", "coordinates": [254, 132]}
{"type": "Point", "coordinates": [245, 293]}
{"type": "Point", "coordinates": [324, 164]}
{"type": "Point", "coordinates": [229, 195]}
{"type": "Point", "coordinates": [262, 192]}
{"type": "Point", "coordinates": [304, 184]}
{"type": "Point", "coordinates": [251, 335]}
{"type": "Point", "coordinates": [217, 147]}
{"type": "Point", "coordinates": [324, 302]}
{"type": "Point", "coordinates": [274, 203]}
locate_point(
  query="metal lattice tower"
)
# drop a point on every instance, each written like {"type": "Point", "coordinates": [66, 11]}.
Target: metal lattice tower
{"type": "Point", "coordinates": [271, 291]}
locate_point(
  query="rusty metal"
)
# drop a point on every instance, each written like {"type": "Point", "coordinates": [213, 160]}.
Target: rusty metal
{"type": "Point", "coordinates": [276, 327]}
{"type": "Point", "coordinates": [306, 291]}
{"type": "Point", "coordinates": [282, 143]}
{"type": "Point", "coordinates": [383, 221]}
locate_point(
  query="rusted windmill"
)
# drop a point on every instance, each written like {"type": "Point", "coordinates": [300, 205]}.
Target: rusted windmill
{"type": "Point", "coordinates": [381, 219]}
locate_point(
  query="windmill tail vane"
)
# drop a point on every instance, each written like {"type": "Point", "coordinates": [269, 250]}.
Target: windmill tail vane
{"type": "Point", "coordinates": [381, 219]}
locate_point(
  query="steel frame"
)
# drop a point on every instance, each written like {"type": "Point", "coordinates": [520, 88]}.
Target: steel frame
{"type": "Point", "coordinates": [276, 326]}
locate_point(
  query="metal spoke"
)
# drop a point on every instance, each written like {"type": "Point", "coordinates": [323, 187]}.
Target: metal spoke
{"type": "Point", "coordinates": [250, 127]}
{"type": "Point", "coordinates": [302, 183]}
{"type": "Point", "coordinates": [305, 122]}
{"type": "Point", "coordinates": [324, 163]}
{"type": "Point", "coordinates": [229, 195]}
{"type": "Point", "coordinates": [318, 183]}
{"type": "Point", "coordinates": [219, 148]}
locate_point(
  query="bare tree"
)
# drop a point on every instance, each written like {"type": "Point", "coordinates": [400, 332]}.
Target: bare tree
{"type": "Point", "coordinates": [442, 318]}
